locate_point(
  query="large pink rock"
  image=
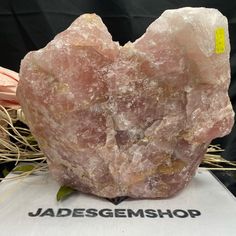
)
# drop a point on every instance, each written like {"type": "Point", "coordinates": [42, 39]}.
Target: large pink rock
{"type": "Point", "coordinates": [133, 120]}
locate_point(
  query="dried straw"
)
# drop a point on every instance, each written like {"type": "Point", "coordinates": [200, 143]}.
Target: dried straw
{"type": "Point", "coordinates": [215, 160]}
{"type": "Point", "coordinates": [18, 145]}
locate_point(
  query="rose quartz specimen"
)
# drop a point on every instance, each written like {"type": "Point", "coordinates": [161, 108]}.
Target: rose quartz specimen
{"type": "Point", "coordinates": [133, 120]}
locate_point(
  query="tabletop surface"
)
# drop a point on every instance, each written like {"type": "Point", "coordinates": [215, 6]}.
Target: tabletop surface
{"type": "Point", "coordinates": [29, 207]}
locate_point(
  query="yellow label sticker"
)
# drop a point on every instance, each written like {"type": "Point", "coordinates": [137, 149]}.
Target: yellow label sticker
{"type": "Point", "coordinates": [220, 40]}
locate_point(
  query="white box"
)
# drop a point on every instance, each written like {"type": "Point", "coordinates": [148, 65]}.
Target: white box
{"type": "Point", "coordinates": [205, 207]}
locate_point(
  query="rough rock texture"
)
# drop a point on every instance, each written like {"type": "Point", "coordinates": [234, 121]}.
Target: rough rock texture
{"type": "Point", "coordinates": [133, 120]}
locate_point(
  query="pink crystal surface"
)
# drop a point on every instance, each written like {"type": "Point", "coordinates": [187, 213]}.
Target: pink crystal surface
{"type": "Point", "coordinates": [134, 120]}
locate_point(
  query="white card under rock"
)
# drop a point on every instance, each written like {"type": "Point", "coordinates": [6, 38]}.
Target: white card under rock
{"type": "Point", "coordinates": [29, 207]}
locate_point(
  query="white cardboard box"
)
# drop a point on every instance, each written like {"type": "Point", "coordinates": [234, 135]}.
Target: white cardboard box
{"type": "Point", "coordinates": [29, 207]}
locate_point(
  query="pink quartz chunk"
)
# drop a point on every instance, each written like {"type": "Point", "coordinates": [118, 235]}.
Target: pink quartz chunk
{"type": "Point", "coordinates": [134, 120]}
